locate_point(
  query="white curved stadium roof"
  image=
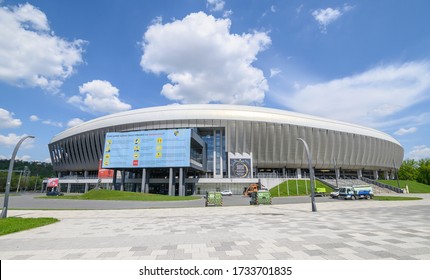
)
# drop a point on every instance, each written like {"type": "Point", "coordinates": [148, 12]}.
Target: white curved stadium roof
{"type": "Point", "coordinates": [221, 112]}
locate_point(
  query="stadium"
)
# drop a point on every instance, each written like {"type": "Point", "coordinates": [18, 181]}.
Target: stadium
{"type": "Point", "coordinates": [190, 149]}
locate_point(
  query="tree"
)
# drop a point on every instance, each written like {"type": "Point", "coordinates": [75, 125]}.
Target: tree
{"type": "Point", "coordinates": [408, 170]}
{"type": "Point", "coordinates": [424, 171]}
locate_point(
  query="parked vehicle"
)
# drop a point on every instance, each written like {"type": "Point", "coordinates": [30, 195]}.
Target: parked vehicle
{"type": "Point", "coordinates": [260, 197]}
{"type": "Point", "coordinates": [213, 199]}
{"type": "Point", "coordinates": [226, 193]}
{"type": "Point", "coordinates": [53, 191]}
{"type": "Point", "coordinates": [320, 191]}
{"type": "Point", "coordinates": [334, 194]}
{"type": "Point", "coordinates": [356, 192]}
{"type": "Point", "coordinates": [254, 187]}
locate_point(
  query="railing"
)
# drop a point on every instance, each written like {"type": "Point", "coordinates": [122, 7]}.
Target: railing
{"type": "Point", "coordinates": [382, 185]}
{"type": "Point", "coordinates": [326, 183]}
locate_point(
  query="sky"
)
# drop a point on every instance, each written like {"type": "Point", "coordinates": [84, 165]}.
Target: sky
{"type": "Point", "coordinates": [66, 62]}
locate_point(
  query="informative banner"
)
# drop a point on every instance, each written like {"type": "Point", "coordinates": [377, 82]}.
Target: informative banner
{"type": "Point", "coordinates": [240, 168]}
{"type": "Point", "coordinates": [151, 148]}
{"type": "Point", "coordinates": [104, 173]}
{"type": "Point", "coordinates": [52, 182]}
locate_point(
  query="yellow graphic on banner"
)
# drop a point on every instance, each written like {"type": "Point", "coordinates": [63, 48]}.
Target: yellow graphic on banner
{"type": "Point", "coordinates": [158, 148]}
{"type": "Point", "coordinates": [136, 155]}
{"type": "Point", "coordinates": [158, 155]}
{"type": "Point", "coordinates": [107, 156]}
{"type": "Point", "coordinates": [136, 148]}
{"type": "Point", "coordinates": [159, 140]}
{"type": "Point", "coordinates": [106, 163]}
{"type": "Point", "coordinates": [137, 141]}
{"type": "Point", "coordinates": [109, 141]}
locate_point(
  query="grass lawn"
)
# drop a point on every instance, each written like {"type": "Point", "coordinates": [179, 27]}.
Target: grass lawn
{"type": "Point", "coordinates": [290, 189]}
{"type": "Point", "coordinates": [11, 225]}
{"type": "Point", "coordinates": [385, 198]}
{"type": "Point", "coordinates": [414, 187]}
{"type": "Point", "coordinates": [119, 195]}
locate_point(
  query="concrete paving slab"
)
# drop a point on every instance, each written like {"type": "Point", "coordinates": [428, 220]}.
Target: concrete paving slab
{"type": "Point", "coordinates": [372, 230]}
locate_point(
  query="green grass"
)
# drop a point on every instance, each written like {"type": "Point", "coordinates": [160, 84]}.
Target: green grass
{"type": "Point", "coordinates": [386, 198]}
{"type": "Point", "coordinates": [293, 189]}
{"type": "Point", "coordinates": [12, 224]}
{"type": "Point", "coordinates": [120, 195]}
{"type": "Point", "coordinates": [414, 187]}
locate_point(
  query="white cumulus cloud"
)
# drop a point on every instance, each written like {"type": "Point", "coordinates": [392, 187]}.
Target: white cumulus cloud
{"type": "Point", "coordinates": [31, 55]}
{"type": "Point", "coordinates": [419, 152]}
{"type": "Point", "coordinates": [99, 97]}
{"type": "Point", "coordinates": [34, 118]}
{"type": "Point", "coordinates": [326, 16]}
{"type": "Point", "coordinates": [403, 131]}
{"type": "Point", "coordinates": [12, 139]}
{"type": "Point", "coordinates": [367, 98]}
{"type": "Point", "coordinates": [7, 120]}
{"type": "Point", "coordinates": [215, 5]}
{"type": "Point", "coordinates": [53, 123]}
{"type": "Point", "coordinates": [204, 62]}
{"type": "Point", "coordinates": [74, 122]}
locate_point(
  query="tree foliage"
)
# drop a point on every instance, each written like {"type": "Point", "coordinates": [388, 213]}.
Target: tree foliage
{"type": "Point", "coordinates": [409, 170]}
{"type": "Point", "coordinates": [38, 170]}
{"type": "Point", "coordinates": [415, 170]}
{"type": "Point", "coordinates": [424, 171]}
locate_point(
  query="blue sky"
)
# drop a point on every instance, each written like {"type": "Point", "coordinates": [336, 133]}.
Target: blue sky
{"type": "Point", "coordinates": [64, 62]}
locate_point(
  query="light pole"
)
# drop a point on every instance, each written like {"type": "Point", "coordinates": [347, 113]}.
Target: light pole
{"type": "Point", "coordinates": [9, 176]}
{"type": "Point", "coordinates": [311, 175]}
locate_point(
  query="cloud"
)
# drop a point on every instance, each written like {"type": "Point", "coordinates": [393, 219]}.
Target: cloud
{"type": "Point", "coordinates": [53, 123]}
{"type": "Point", "coordinates": [369, 98]}
{"type": "Point", "coordinates": [419, 152]}
{"type": "Point", "coordinates": [326, 16]}
{"type": "Point", "coordinates": [204, 61]}
{"type": "Point", "coordinates": [30, 54]}
{"type": "Point", "coordinates": [23, 158]}
{"type": "Point", "coordinates": [74, 122]}
{"type": "Point", "coordinates": [12, 139]}
{"type": "Point", "coordinates": [215, 5]}
{"type": "Point", "coordinates": [7, 120]}
{"type": "Point", "coordinates": [99, 97]}
{"type": "Point", "coordinates": [403, 131]}
{"type": "Point", "coordinates": [274, 72]}
{"type": "Point", "coordinates": [34, 118]}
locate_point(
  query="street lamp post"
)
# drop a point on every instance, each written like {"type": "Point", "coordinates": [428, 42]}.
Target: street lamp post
{"type": "Point", "coordinates": [9, 176]}
{"type": "Point", "coordinates": [311, 175]}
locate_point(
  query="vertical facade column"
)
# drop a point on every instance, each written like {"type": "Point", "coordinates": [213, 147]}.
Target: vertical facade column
{"type": "Point", "coordinates": [171, 178]}
{"type": "Point", "coordinates": [69, 185]}
{"type": "Point", "coordinates": [386, 175]}
{"type": "Point", "coordinates": [122, 180]}
{"type": "Point", "coordinates": [337, 173]}
{"type": "Point", "coordinates": [375, 175]}
{"type": "Point", "coordinates": [221, 173]}
{"type": "Point", "coordinates": [181, 182]}
{"type": "Point", "coordinates": [299, 173]}
{"type": "Point", "coordinates": [114, 179]}
{"type": "Point", "coordinates": [86, 184]}
{"type": "Point", "coordinates": [143, 186]}
{"type": "Point", "coordinates": [359, 173]}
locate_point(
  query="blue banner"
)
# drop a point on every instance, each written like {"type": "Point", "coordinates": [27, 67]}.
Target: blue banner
{"type": "Point", "coordinates": [151, 148]}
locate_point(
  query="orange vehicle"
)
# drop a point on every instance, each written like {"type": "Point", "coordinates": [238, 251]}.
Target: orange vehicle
{"type": "Point", "coordinates": [253, 187]}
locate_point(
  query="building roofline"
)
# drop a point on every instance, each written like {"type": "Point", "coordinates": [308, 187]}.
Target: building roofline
{"type": "Point", "coordinates": [221, 112]}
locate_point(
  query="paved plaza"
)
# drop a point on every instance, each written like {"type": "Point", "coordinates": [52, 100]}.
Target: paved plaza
{"type": "Point", "coordinates": [351, 230]}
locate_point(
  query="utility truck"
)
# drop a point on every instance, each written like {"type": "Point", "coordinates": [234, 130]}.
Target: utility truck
{"type": "Point", "coordinates": [356, 192]}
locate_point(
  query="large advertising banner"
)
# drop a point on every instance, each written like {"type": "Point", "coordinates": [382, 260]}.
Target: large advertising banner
{"type": "Point", "coordinates": [240, 168]}
{"type": "Point", "coordinates": [145, 149]}
{"type": "Point", "coordinates": [104, 173]}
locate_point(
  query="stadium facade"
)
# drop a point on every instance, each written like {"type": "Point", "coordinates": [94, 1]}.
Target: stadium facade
{"type": "Point", "coordinates": [226, 145]}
